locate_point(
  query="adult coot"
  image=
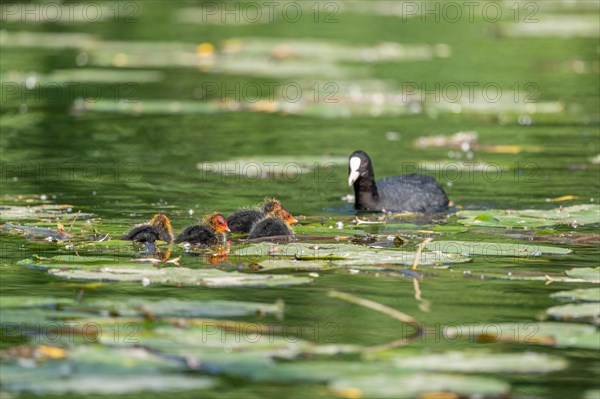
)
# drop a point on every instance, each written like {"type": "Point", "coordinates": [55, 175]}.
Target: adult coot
{"type": "Point", "coordinates": [210, 232]}
{"type": "Point", "coordinates": [158, 228]}
{"type": "Point", "coordinates": [243, 220]}
{"type": "Point", "coordinates": [278, 225]}
{"type": "Point", "coordinates": [404, 193]}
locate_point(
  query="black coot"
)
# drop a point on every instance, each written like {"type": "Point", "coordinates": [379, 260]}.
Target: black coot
{"type": "Point", "coordinates": [158, 228]}
{"type": "Point", "coordinates": [243, 220]}
{"type": "Point", "coordinates": [278, 225]}
{"type": "Point", "coordinates": [404, 193]}
{"type": "Point", "coordinates": [210, 232]}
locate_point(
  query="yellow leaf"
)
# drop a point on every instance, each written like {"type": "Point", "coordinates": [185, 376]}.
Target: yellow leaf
{"type": "Point", "coordinates": [51, 352]}
{"type": "Point", "coordinates": [563, 198]}
{"type": "Point", "coordinates": [349, 393]}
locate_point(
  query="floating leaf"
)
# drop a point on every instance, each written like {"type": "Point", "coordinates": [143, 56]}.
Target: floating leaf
{"type": "Point", "coordinates": [568, 335]}
{"type": "Point", "coordinates": [182, 276]}
{"type": "Point", "coordinates": [96, 369]}
{"type": "Point", "coordinates": [591, 394]}
{"type": "Point", "coordinates": [86, 263]}
{"type": "Point", "coordinates": [179, 308]}
{"type": "Point", "coordinates": [37, 317]}
{"type": "Point", "coordinates": [326, 231]}
{"type": "Point", "coordinates": [475, 362]}
{"type": "Point", "coordinates": [36, 232]}
{"type": "Point", "coordinates": [23, 301]}
{"type": "Point", "coordinates": [53, 212]}
{"type": "Point", "coordinates": [585, 273]}
{"type": "Point", "coordinates": [197, 342]}
{"type": "Point", "coordinates": [294, 265]}
{"type": "Point", "coordinates": [85, 259]}
{"type": "Point", "coordinates": [413, 385]}
{"type": "Point", "coordinates": [581, 294]}
{"type": "Point", "coordinates": [577, 312]}
{"type": "Point", "coordinates": [347, 254]}
{"type": "Point", "coordinates": [561, 26]}
{"type": "Point", "coordinates": [576, 214]}
{"type": "Point", "coordinates": [516, 250]}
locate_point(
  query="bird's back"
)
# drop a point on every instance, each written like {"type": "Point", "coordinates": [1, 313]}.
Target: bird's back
{"type": "Point", "coordinates": [197, 234]}
{"type": "Point", "coordinates": [242, 221]}
{"type": "Point", "coordinates": [270, 227]}
{"type": "Point", "coordinates": [142, 233]}
{"type": "Point", "coordinates": [411, 193]}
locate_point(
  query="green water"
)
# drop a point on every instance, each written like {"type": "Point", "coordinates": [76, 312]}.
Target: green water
{"type": "Point", "coordinates": [123, 168]}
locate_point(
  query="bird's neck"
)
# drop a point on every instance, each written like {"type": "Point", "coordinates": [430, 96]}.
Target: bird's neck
{"type": "Point", "coordinates": [365, 192]}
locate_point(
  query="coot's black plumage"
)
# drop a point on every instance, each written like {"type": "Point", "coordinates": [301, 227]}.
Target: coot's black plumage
{"type": "Point", "coordinates": [158, 228]}
{"type": "Point", "coordinates": [211, 232]}
{"type": "Point", "coordinates": [404, 193]}
{"type": "Point", "coordinates": [243, 220]}
{"type": "Point", "coordinates": [278, 225]}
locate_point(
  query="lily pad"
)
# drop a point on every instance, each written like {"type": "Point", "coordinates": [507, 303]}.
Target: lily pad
{"type": "Point", "coordinates": [49, 232]}
{"type": "Point", "coordinates": [585, 273]}
{"type": "Point", "coordinates": [22, 301]}
{"type": "Point", "coordinates": [519, 250]}
{"type": "Point", "coordinates": [592, 394]}
{"type": "Point", "coordinates": [172, 307]}
{"type": "Point", "coordinates": [294, 265]}
{"type": "Point", "coordinates": [53, 212]}
{"type": "Point", "coordinates": [589, 312]}
{"type": "Point", "coordinates": [476, 362]}
{"type": "Point", "coordinates": [414, 385]}
{"type": "Point", "coordinates": [101, 370]}
{"type": "Point", "coordinates": [568, 335]}
{"type": "Point", "coordinates": [326, 231]}
{"type": "Point", "coordinates": [347, 254]}
{"type": "Point", "coordinates": [84, 259]}
{"type": "Point", "coordinates": [194, 344]}
{"type": "Point", "coordinates": [581, 294]}
{"type": "Point", "coordinates": [576, 214]}
{"type": "Point", "coordinates": [181, 276]}
{"type": "Point", "coordinates": [86, 263]}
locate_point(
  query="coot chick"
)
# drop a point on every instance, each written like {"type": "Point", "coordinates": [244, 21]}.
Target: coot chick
{"type": "Point", "coordinates": [158, 228]}
{"type": "Point", "coordinates": [405, 193]}
{"type": "Point", "coordinates": [243, 220]}
{"type": "Point", "coordinates": [210, 232]}
{"type": "Point", "coordinates": [277, 225]}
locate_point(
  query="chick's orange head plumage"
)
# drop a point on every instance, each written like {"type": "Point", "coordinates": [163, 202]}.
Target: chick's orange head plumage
{"type": "Point", "coordinates": [218, 223]}
{"type": "Point", "coordinates": [161, 220]}
{"type": "Point", "coordinates": [286, 217]}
